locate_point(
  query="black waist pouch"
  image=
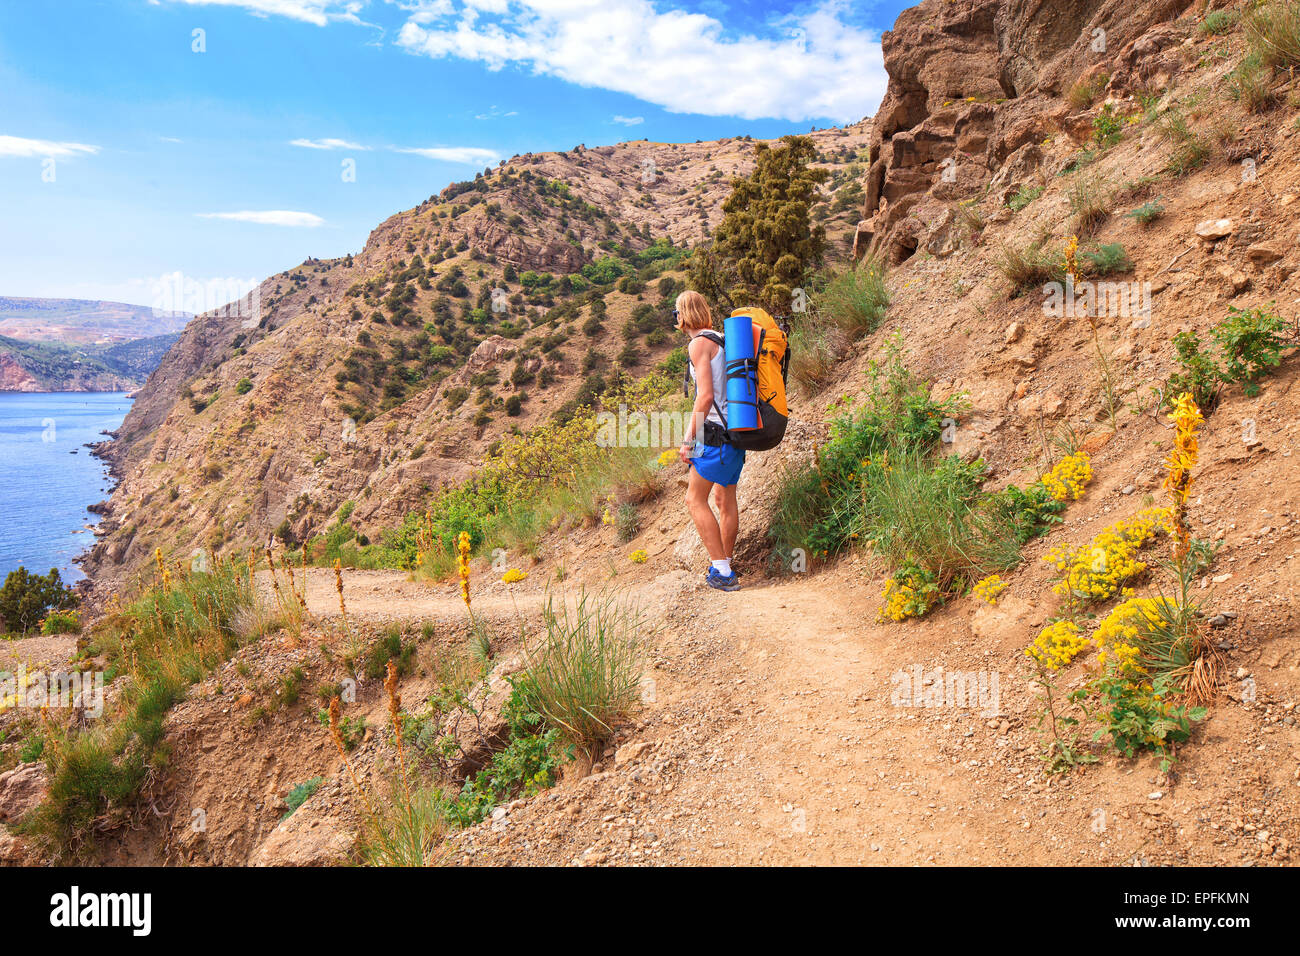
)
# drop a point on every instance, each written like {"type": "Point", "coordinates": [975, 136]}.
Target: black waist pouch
{"type": "Point", "coordinates": [715, 436]}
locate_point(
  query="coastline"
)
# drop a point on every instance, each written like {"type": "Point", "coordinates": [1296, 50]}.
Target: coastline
{"type": "Point", "coordinates": [93, 508]}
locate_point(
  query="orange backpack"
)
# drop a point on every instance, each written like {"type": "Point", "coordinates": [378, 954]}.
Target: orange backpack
{"type": "Point", "coordinates": [773, 351]}
{"type": "Point", "coordinates": [773, 359]}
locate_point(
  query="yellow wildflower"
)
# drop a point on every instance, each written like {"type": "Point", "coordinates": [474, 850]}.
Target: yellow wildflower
{"type": "Point", "coordinates": [989, 589]}
{"type": "Point", "coordinates": [1069, 477]}
{"type": "Point", "coordinates": [1057, 645]}
{"type": "Point", "coordinates": [462, 564]}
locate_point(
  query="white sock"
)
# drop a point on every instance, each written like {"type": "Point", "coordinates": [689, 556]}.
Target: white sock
{"type": "Point", "coordinates": [723, 566]}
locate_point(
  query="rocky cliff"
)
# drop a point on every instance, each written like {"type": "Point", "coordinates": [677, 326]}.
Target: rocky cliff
{"type": "Point", "coordinates": [975, 86]}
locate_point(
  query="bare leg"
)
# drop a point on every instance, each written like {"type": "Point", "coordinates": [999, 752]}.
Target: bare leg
{"type": "Point", "coordinates": [724, 496]}
{"type": "Point", "coordinates": [697, 502]}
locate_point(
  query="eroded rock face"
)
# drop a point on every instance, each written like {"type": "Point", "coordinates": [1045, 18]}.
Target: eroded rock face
{"type": "Point", "coordinates": [308, 838]}
{"type": "Point", "coordinates": [21, 790]}
{"type": "Point", "coordinates": [975, 83]}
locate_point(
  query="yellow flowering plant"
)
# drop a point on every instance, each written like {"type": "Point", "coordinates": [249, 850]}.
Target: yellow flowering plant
{"type": "Point", "coordinates": [462, 564]}
{"type": "Point", "coordinates": [1056, 646]}
{"type": "Point", "coordinates": [989, 589]}
{"type": "Point", "coordinates": [1069, 477]}
{"type": "Point", "coordinates": [911, 591]}
{"type": "Point", "coordinates": [1096, 571]}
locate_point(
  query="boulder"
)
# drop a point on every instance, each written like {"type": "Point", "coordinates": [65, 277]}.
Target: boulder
{"type": "Point", "coordinates": [1212, 230]}
{"type": "Point", "coordinates": [308, 838]}
{"type": "Point", "coordinates": [21, 790]}
{"type": "Point", "coordinates": [1264, 253]}
{"type": "Point", "coordinates": [13, 851]}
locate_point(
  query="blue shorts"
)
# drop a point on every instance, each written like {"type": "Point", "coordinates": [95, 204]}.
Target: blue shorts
{"type": "Point", "coordinates": [719, 465]}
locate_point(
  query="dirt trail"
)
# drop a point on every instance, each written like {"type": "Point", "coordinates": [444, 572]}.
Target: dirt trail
{"type": "Point", "coordinates": [392, 595]}
{"type": "Point", "coordinates": [770, 736]}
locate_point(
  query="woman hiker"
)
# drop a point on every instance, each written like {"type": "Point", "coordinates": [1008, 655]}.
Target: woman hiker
{"type": "Point", "coordinates": [715, 465]}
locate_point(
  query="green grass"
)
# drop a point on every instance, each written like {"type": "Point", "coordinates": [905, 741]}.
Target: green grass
{"type": "Point", "coordinates": [924, 511]}
{"type": "Point", "coordinates": [164, 642]}
{"type": "Point", "coordinates": [1024, 196]}
{"type": "Point", "coordinates": [882, 482]}
{"type": "Point", "coordinates": [1028, 267]}
{"type": "Point", "coordinates": [1219, 22]}
{"type": "Point", "coordinates": [1273, 31]}
{"type": "Point", "coordinates": [854, 300]}
{"type": "Point", "coordinates": [845, 306]}
{"type": "Point", "coordinates": [584, 676]}
{"type": "Point", "coordinates": [301, 794]}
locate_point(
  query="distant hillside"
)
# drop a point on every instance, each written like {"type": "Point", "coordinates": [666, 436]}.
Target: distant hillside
{"type": "Point", "coordinates": [55, 367]}
{"type": "Point", "coordinates": [83, 321]}
{"type": "Point", "coordinates": [499, 303]}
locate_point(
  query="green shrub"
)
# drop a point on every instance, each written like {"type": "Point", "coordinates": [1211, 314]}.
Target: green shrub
{"type": "Point", "coordinates": [526, 765]}
{"type": "Point", "coordinates": [1199, 375]}
{"type": "Point", "coordinates": [1251, 343]}
{"type": "Point", "coordinates": [1104, 259]}
{"type": "Point", "coordinates": [1107, 127]}
{"type": "Point", "coordinates": [1147, 213]}
{"type": "Point", "coordinates": [301, 794]}
{"type": "Point", "coordinates": [61, 622]}
{"type": "Point", "coordinates": [26, 597]}
{"type": "Point", "coordinates": [1026, 513]}
{"type": "Point", "coordinates": [243, 386]}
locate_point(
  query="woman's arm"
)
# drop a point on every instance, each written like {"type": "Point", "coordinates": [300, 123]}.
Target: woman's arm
{"type": "Point", "coordinates": [700, 354]}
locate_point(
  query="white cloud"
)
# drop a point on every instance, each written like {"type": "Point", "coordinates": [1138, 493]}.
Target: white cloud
{"type": "Point", "coordinates": [327, 144]}
{"type": "Point", "coordinates": [469, 155]}
{"type": "Point", "coordinates": [318, 12]}
{"type": "Point", "coordinates": [814, 65]}
{"type": "Point", "coordinates": [18, 146]}
{"type": "Point", "coordinates": [268, 217]}
{"type": "Point", "coordinates": [630, 120]}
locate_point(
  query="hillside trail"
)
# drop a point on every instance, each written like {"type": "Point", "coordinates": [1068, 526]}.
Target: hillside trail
{"type": "Point", "coordinates": [771, 738]}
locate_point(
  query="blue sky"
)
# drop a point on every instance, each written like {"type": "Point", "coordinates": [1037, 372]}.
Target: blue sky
{"type": "Point", "coordinates": [133, 148]}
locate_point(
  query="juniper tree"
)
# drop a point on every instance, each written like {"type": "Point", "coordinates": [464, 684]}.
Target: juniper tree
{"type": "Point", "coordinates": [766, 244]}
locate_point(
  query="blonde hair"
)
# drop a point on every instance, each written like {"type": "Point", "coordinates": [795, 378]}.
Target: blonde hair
{"type": "Point", "coordinates": [693, 312]}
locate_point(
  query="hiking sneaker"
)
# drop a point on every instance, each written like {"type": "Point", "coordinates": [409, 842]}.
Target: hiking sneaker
{"type": "Point", "coordinates": [735, 572]}
{"type": "Point", "coordinates": [722, 582]}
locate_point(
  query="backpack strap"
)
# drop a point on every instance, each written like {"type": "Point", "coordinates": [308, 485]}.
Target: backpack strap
{"type": "Point", "coordinates": [717, 340]}
{"type": "Point", "coordinates": [713, 337]}
{"type": "Point", "coordinates": [783, 324]}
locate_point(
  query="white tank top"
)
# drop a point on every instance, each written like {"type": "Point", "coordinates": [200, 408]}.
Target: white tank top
{"type": "Point", "coordinates": [718, 367]}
